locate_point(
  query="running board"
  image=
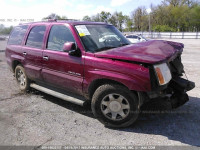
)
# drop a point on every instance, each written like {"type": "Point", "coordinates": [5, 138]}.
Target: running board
{"type": "Point", "coordinates": [58, 95]}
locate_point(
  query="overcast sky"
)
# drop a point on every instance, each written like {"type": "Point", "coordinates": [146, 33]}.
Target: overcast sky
{"type": "Point", "coordinates": [14, 11]}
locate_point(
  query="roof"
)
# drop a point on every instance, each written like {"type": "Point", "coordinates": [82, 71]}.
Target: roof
{"type": "Point", "coordinates": [66, 22]}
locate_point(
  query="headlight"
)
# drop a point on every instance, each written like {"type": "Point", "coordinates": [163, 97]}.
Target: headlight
{"type": "Point", "coordinates": [163, 73]}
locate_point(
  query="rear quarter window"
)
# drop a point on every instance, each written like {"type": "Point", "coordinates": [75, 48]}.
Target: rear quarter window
{"type": "Point", "coordinates": [17, 35]}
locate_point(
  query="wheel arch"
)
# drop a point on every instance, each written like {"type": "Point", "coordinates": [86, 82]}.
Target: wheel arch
{"type": "Point", "coordinates": [14, 64]}
{"type": "Point", "coordinates": [98, 82]}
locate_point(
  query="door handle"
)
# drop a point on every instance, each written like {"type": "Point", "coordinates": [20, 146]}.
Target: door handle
{"type": "Point", "coordinates": [24, 53]}
{"type": "Point", "coordinates": [46, 58]}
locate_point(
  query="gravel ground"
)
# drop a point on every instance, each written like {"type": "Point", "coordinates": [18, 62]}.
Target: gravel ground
{"type": "Point", "coordinates": [36, 119]}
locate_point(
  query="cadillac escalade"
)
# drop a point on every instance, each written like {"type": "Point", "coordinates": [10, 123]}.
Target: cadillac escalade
{"type": "Point", "coordinates": [90, 62]}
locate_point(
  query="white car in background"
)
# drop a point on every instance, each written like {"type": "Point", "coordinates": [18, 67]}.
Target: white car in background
{"type": "Point", "coordinates": [135, 38]}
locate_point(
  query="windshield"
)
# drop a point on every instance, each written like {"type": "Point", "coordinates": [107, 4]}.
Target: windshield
{"type": "Point", "coordinates": [100, 37]}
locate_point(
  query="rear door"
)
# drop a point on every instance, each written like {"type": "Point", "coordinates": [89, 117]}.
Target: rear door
{"type": "Point", "coordinates": [59, 68]}
{"type": "Point", "coordinates": [32, 51]}
{"type": "Point", "coordinates": [14, 49]}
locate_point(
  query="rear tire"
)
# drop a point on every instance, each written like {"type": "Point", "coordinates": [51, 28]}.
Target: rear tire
{"type": "Point", "coordinates": [115, 106]}
{"type": "Point", "coordinates": [22, 79]}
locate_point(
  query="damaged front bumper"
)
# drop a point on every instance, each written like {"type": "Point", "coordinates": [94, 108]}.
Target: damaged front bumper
{"type": "Point", "coordinates": [172, 94]}
{"type": "Point", "coordinates": [180, 86]}
{"type": "Point", "coordinates": [175, 93]}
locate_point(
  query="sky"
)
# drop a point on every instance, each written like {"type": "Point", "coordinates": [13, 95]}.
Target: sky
{"type": "Point", "coordinates": [13, 12]}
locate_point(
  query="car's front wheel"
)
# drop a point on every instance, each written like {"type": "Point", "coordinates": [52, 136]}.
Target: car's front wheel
{"type": "Point", "coordinates": [22, 79]}
{"type": "Point", "coordinates": [115, 106]}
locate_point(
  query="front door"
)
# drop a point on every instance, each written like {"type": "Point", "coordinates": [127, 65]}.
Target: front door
{"type": "Point", "coordinates": [59, 68]}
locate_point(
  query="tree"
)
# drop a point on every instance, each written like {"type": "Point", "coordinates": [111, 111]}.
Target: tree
{"type": "Point", "coordinates": [117, 19]}
{"type": "Point", "coordinates": [54, 16]}
{"type": "Point", "coordinates": [96, 18]}
{"type": "Point", "coordinates": [170, 15]}
{"type": "Point", "coordinates": [113, 20]}
{"type": "Point", "coordinates": [177, 3]}
{"type": "Point", "coordinates": [140, 18]}
{"type": "Point", "coordinates": [86, 18]}
{"type": "Point", "coordinates": [163, 28]}
{"type": "Point", "coordinates": [5, 30]}
{"type": "Point", "coordinates": [99, 17]}
{"type": "Point", "coordinates": [195, 18]}
{"type": "Point", "coordinates": [174, 3]}
{"type": "Point", "coordinates": [128, 24]}
{"type": "Point", "coordinates": [104, 16]}
{"type": "Point", "coordinates": [177, 14]}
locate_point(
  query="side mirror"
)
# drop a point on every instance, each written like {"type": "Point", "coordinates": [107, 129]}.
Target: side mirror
{"type": "Point", "coordinates": [72, 49]}
{"type": "Point", "coordinates": [69, 46]}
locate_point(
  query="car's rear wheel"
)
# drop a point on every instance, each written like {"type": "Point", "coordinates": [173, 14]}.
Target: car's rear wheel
{"type": "Point", "coordinates": [22, 79]}
{"type": "Point", "coordinates": [115, 105]}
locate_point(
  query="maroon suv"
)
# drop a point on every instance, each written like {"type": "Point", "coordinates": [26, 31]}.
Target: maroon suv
{"type": "Point", "coordinates": [87, 61]}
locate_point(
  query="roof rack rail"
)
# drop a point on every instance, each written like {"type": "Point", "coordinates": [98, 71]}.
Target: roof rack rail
{"type": "Point", "coordinates": [69, 19]}
{"type": "Point", "coordinates": [57, 20]}
{"type": "Point", "coordinates": [51, 20]}
{"type": "Point", "coordinates": [31, 22]}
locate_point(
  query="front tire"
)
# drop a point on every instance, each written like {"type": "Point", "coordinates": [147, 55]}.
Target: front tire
{"type": "Point", "coordinates": [22, 79]}
{"type": "Point", "coordinates": [115, 106]}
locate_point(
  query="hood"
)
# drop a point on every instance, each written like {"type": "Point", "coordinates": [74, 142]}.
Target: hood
{"type": "Point", "coordinates": [151, 52]}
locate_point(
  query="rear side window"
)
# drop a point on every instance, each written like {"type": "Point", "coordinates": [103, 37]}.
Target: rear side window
{"type": "Point", "coordinates": [35, 37]}
{"type": "Point", "coordinates": [17, 35]}
{"type": "Point", "coordinates": [59, 35]}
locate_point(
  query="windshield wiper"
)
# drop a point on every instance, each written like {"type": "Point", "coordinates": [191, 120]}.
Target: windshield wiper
{"type": "Point", "coordinates": [105, 48]}
{"type": "Point", "coordinates": [109, 47]}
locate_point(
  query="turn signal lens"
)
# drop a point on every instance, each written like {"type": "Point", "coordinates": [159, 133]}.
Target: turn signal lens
{"type": "Point", "coordinates": [160, 76]}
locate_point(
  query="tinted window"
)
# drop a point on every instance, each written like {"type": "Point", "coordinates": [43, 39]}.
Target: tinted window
{"type": "Point", "coordinates": [17, 35]}
{"type": "Point", "coordinates": [35, 38]}
{"type": "Point", "coordinates": [134, 37]}
{"type": "Point", "coordinates": [129, 36]}
{"type": "Point", "coordinates": [58, 36]}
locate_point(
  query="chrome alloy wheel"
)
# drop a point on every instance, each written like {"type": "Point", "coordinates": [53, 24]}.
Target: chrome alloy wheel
{"type": "Point", "coordinates": [115, 107]}
{"type": "Point", "coordinates": [21, 78]}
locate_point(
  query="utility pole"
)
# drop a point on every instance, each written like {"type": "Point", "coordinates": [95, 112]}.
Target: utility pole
{"type": "Point", "coordinates": [149, 22]}
{"type": "Point", "coordinates": [149, 12]}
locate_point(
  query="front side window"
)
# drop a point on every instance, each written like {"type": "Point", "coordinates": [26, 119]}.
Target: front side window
{"type": "Point", "coordinates": [100, 37]}
{"type": "Point", "coordinates": [36, 36]}
{"type": "Point", "coordinates": [58, 36]}
{"type": "Point", "coordinates": [17, 35]}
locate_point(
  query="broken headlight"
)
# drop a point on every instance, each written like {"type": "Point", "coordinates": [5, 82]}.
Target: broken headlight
{"type": "Point", "coordinates": [163, 73]}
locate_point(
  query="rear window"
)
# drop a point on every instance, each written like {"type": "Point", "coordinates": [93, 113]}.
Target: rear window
{"type": "Point", "coordinates": [35, 37]}
{"type": "Point", "coordinates": [17, 35]}
{"type": "Point", "coordinates": [129, 36]}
